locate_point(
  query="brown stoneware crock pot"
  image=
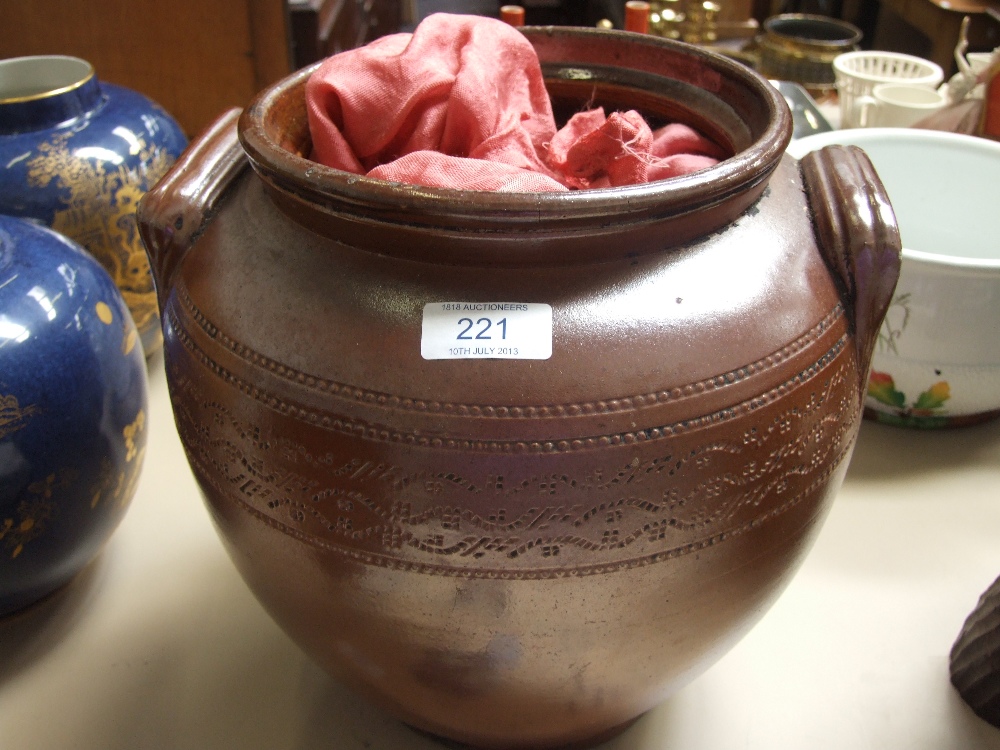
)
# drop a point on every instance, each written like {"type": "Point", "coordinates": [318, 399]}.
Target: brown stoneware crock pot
{"type": "Point", "coordinates": [523, 552]}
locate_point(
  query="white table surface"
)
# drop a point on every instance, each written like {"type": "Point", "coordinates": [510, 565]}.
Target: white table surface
{"type": "Point", "coordinates": [159, 644]}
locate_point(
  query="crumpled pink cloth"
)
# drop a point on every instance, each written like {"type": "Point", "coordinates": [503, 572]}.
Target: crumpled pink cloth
{"type": "Point", "coordinates": [461, 103]}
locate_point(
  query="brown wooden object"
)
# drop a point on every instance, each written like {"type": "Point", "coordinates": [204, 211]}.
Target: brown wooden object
{"type": "Point", "coordinates": [974, 661]}
{"type": "Point", "coordinates": [194, 58]}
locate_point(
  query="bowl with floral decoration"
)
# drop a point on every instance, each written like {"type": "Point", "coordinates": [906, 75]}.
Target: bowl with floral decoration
{"type": "Point", "coordinates": [937, 361]}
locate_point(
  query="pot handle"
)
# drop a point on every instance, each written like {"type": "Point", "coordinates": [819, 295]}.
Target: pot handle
{"type": "Point", "coordinates": [174, 212]}
{"type": "Point", "coordinates": [857, 233]}
{"type": "Point", "coordinates": [865, 106]}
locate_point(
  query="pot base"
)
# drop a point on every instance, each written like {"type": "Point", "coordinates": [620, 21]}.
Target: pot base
{"type": "Point", "coordinates": [585, 744]}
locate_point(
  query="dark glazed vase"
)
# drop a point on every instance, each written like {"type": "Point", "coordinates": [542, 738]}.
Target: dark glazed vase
{"type": "Point", "coordinates": [801, 47]}
{"type": "Point", "coordinates": [523, 552]}
{"type": "Point", "coordinates": [77, 154]}
{"type": "Point", "coordinates": [72, 410]}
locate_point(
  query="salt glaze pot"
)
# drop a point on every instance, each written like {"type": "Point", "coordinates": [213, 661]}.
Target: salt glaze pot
{"type": "Point", "coordinates": [523, 552]}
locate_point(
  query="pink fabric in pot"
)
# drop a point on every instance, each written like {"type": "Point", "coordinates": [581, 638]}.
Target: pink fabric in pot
{"type": "Point", "coordinates": [461, 103]}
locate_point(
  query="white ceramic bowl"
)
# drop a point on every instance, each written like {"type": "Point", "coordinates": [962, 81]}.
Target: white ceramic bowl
{"type": "Point", "coordinates": [938, 358]}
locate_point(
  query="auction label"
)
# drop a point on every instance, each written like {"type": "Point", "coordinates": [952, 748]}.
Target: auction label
{"type": "Point", "coordinates": [486, 330]}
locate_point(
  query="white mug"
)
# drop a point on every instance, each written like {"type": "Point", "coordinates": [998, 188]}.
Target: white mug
{"type": "Point", "coordinates": [899, 105]}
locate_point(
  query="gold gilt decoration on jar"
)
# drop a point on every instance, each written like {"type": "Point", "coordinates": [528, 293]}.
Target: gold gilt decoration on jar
{"type": "Point", "coordinates": [13, 416]}
{"type": "Point", "coordinates": [34, 512]}
{"type": "Point", "coordinates": [120, 487]}
{"type": "Point", "coordinates": [99, 211]}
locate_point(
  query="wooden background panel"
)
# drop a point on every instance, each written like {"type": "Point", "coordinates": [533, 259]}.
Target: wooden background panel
{"type": "Point", "coordinates": [194, 57]}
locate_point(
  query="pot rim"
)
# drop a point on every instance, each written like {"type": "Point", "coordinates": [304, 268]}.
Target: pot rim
{"type": "Point", "coordinates": [288, 171]}
{"type": "Point", "coordinates": [56, 66]}
{"type": "Point", "coordinates": [46, 91]}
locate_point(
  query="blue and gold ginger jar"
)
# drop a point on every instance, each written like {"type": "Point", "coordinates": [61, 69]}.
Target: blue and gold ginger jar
{"type": "Point", "coordinates": [77, 155]}
{"type": "Point", "coordinates": [73, 410]}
